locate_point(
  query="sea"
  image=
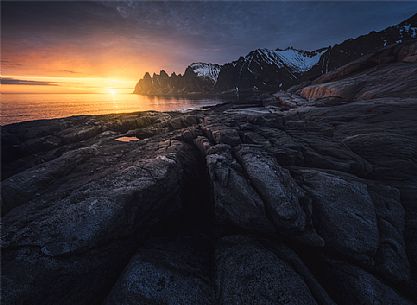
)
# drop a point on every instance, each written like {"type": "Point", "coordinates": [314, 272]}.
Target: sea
{"type": "Point", "coordinates": [28, 107]}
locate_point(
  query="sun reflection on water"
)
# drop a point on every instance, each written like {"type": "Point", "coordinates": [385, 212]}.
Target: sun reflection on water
{"type": "Point", "coordinates": [26, 107]}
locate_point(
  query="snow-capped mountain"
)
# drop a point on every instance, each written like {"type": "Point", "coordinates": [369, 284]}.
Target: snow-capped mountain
{"type": "Point", "coordinates": [352, 49]}
{"type": "Point", "coordinates": [265, 70]}
{"type": "Point", "coordinates": [299, 60]}
{"type": "Point", "coordinates": [210, 71]}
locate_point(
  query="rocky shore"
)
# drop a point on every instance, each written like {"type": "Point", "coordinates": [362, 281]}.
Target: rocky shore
{"type": "Point", "coordinates": [307, 197]}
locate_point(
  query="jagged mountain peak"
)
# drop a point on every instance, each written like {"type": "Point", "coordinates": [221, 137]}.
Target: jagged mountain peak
{"type": "Point", "coordinates": [206, 70]}
{"type": "Point", "coordinates": [268, 70]}
{"type": "Point", "coordinates": [296, 60]}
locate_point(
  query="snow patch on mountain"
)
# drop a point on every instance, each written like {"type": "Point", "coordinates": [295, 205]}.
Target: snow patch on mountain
{"type": "Point", "coordinates": [267, 56]}
{"type": "Point", "coordinates": [408, 28]}
{"type": "Point", "coordinates": [296, 60]}
{"type": "Point", "coordinates": [210, 71]}
{"type": "Point", "coordinates": [300, 60]}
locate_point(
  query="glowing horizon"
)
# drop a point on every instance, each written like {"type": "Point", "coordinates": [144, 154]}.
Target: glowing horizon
{"type": "Point", "coordinates": [92, 47]}
{"type": "Point", "coordinates": [62, 84]}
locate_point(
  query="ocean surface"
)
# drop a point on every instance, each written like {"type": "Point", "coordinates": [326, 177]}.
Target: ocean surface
{"type": "Point", "coordinates": [28, 107]}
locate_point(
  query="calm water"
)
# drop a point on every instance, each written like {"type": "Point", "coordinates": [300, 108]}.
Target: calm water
{"type": "Point", "coordinates": [27, 107]}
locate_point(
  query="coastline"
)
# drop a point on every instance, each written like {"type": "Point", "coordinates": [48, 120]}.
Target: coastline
{"type": "Point", "coordinates": [27, 107]}
{"type": "Point", "coordinates": [312, 186]}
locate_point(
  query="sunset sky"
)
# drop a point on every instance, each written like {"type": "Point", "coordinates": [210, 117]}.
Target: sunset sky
{"type": "Point", "coordinates": [102, 46]}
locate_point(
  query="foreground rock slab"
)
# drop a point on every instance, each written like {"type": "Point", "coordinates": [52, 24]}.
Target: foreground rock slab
{"type": "Point", "coordinates": [292, 202]}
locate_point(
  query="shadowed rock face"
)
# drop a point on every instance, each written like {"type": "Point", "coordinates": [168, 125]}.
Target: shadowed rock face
{"type": "Point", "coordinates": [367, 78]}
{"type": "Point", "coordinates": [166, 272]}
{"type": "Point", "coordinates": [285, 201]}
{"type": "Point", "coordinates": [248, 272]}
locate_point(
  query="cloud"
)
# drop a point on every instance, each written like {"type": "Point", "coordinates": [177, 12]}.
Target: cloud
{"type": "Point", "coordinates": [131, 37]}
{"type": "Point", "coordinates": [15, 81]}
{"type": "Point", "coordinates": [69, 71]}
{"type": "Point", "coordinates": [8, 63]}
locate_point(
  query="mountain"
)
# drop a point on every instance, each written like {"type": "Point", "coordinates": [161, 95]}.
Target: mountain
{"type": "Point", "coordinates": [265, 71]}
{"type": "Point", "coordinates": [352, 49]}
{"type": "Point", "coordinates": [197, 78]}
{"type": "Point", "coordinates": [209, 71]}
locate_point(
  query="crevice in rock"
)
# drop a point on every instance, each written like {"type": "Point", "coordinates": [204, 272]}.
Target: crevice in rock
{"type": "Point", "coordinates": [194, 219]}
{"type": "Point", "coordinates": [196, 215]}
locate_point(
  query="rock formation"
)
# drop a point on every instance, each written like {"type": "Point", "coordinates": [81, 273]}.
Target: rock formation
{"type": "Point", "coordinates": [307, 197]}
{"type": "Point", "coordinates": [266, 71]}
{"type": "Point", "coordinates": [198, 78]}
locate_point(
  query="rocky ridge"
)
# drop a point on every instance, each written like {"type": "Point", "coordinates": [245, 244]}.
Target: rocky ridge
{"type": "Point", "coordinates": [198, 78]}
{"type": "Point", "coordinates": [266, 71]}
{"type": "Point", "coordinates": [307, 197]}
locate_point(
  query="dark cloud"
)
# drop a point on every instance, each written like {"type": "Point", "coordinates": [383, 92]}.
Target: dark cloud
{"type": "Point", "coordinates": [225, 30]}
{"type": "Point", "coordinates": [194, 31]}
{"type": "Point", "coordinates": [69, 71]}
{"type": "Point", "coordinates": [14, 81]}
{"type": "Point", "coordinates": [8, 63]}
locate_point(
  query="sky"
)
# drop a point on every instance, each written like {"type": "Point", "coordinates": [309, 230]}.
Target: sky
{"type": "Point", "coordinates": [94, 46]}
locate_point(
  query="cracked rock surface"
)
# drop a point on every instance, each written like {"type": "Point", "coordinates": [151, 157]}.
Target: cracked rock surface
{"type": "Point", "coordinates": [289, 202]}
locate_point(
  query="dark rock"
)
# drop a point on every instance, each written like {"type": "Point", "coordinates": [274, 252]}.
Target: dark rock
{"type": "Point", "coordinates": [235, 201]}
{"type": "Point", "coordinates": [397, 162]}
{"type": "Point", "coordinates": [276, 187]}
{"type": "Point", "coordinates": [166, 272]}
{"type": "Point", "coordinates": [104, 206]}
{"type": "Point", "coordinates": [352, 285]}
{"type": "Point", "coordinates": [343, 213]}
{"type": "Point", "coordinates": [249, 273]}
{"type": "Point", "coordinates": [391, 260]}
{"type": "Point", "coordinates": [248, 204]}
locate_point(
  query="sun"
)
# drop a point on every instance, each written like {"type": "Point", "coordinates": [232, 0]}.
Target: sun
{"type": "Point", "coordinates": [111, 91]}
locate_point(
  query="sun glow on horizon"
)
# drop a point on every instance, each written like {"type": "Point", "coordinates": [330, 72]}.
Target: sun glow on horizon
{"type": "Point", "coordinates": [60, 84]}
{"type": "Point", "coordinates": [111, 91]}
